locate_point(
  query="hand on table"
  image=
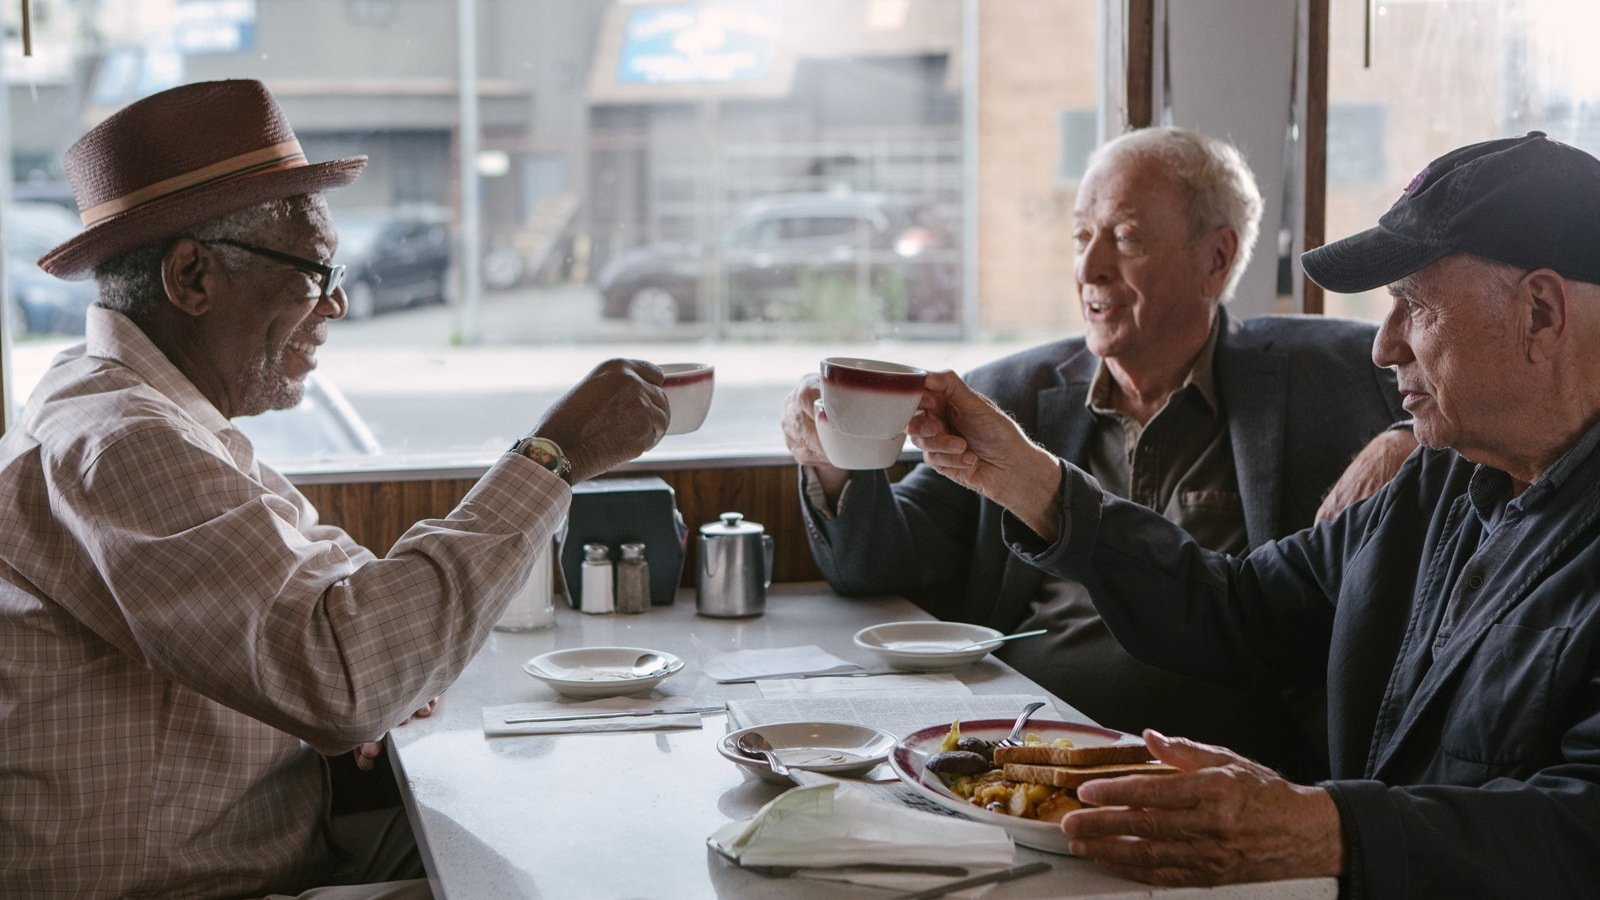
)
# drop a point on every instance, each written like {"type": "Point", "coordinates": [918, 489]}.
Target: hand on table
{"type": "Point", "coordinates": [366, 755]}
{"type": "Point", "coordinates": [1223, 819]}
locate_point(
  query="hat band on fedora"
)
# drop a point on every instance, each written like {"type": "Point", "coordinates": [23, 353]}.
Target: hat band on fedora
{"type": "Point", "coordinates": [285, 155]}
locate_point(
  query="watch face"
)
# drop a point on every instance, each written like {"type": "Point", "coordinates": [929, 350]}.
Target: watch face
{"type": "Point", "coordinates": [545, 452]}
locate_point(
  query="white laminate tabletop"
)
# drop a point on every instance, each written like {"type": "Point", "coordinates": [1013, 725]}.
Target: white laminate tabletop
{"type": "Point", "coordinates": [626, 814]}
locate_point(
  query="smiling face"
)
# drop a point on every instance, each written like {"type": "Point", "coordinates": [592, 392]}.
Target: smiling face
{"type": "Point", "coordinates": [267, 332]}
{"type": "Point", "coordinates": [1149, 288]}
{"type": "Point", "coordinates": [1449, 336]}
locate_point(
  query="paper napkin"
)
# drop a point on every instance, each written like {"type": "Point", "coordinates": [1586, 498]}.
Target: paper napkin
{"type": "Point", "coordinates": [809, 659]}
{"type": "Point", "coordinates": [823, 830]}
{"type": "Point", "coordinates": [495, 724]}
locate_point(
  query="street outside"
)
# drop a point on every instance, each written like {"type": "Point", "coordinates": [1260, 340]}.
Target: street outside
{"type": "Point", "coordinates": [432, 400]}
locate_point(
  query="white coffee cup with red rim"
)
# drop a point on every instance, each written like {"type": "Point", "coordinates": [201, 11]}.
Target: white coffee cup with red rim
{"type": "Point", "coordinates": [870, 398]}
{"type": "Point", "coordinates": [688, 387]}
{"type": "Point", "coordinates": [846, 451]}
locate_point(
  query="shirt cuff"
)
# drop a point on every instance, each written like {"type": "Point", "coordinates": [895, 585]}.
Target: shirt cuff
{"type": "Point", "coordinates": [812, 485]}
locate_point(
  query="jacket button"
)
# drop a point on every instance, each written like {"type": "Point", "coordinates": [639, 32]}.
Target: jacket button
{"type": "Point", "coordinates": [1474, 582]}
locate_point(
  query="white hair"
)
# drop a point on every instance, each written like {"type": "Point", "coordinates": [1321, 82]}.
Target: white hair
{"type": "Point", "coordinates": [1222, 189]}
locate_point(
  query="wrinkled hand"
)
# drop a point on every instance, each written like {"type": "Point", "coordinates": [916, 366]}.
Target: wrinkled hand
{"type": "Point", "coordinates": [1372, 468]}
{"type": "Point", "coordinates": [615, 413]}
{"type": "Point", "coordinates": [366, 755]}
{"type": "Point", "coordinates": [965, 437]}
{"type": "Point", "coordinates": [1223, 820]}
{"type": "Point", "coordinates": [800, 424]}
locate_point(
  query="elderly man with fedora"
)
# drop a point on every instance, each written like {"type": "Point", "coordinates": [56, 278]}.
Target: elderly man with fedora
{"type": "Point", "coordinates": [1453, 618]}
{"type": "Point", "coordinates": [183, 639]}
{"type": "Point", "coordinates": [1234, 429]}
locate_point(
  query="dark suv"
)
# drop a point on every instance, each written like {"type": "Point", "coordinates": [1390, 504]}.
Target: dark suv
{"type": "Point", "coordinates": [396, 257]}
{"type": "Point", "coordinates": [795, 257]}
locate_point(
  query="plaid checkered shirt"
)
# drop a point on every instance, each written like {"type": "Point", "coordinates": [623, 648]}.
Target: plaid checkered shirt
{"type": "Point", "coordinates": [180, 638]}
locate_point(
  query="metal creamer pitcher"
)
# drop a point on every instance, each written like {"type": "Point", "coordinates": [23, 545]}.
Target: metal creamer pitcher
{"type": "Point", "coordinates": [735, 568]}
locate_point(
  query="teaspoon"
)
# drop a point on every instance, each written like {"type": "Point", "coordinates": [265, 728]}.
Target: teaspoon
{"type": "Point", "coordinates": [753, 744]}
{"type": "Point", "coordinates": [1010, 637]}
{"type": "Point", "coordinates": [647, 664]}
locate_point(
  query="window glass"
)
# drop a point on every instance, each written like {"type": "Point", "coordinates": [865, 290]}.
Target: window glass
{"type": "Point", "coordinates": [1445, 73]}
{"type": "Point", "coordinates": [756, 184]}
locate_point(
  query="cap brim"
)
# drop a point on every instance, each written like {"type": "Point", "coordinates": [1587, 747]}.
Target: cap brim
{"type": "Point", "coordinates": [1370, 259]}
{"type": "Point", "coordinates": [75, 259]}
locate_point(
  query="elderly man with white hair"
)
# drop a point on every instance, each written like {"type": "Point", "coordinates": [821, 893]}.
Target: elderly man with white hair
{"type": "Point", "coordinates": [1234, 429]}
{"type": "Point", "coordinates": [1452, 619]}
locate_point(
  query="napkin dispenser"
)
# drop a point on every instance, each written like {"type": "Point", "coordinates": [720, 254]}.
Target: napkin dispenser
{"type": "Point", "coordinates": [613, 511]}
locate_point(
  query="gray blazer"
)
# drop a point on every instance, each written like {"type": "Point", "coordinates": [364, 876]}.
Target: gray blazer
{"type": "Point", "coordinates": [1301, 396]}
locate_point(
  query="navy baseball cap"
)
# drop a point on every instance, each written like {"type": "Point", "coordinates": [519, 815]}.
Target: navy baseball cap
{"type": "Point", "coordinates": [1528, 201]}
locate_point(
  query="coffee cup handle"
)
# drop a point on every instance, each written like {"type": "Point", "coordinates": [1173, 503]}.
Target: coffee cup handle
{"type": "Point", "coordinates": [766, 554]}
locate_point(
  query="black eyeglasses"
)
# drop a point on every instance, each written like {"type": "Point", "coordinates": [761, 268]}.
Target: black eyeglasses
{"type": "Point", "coordinates": [330, 277]}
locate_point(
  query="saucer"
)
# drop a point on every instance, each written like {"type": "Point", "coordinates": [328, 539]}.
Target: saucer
{"type": "Point", "coordinates": [927, 646]}
{"type": "Point", "coordinates": [833, 748]}
{"type": "Point", "coordinates": [590, 672]}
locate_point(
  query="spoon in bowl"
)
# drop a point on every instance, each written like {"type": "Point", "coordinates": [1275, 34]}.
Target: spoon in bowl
{"type": "Point", "coordinates": [1010, 637]}
{"type": "Point", "coordinates": [753, 744]}
{"type": "Point", "coordinates": [647, 664]}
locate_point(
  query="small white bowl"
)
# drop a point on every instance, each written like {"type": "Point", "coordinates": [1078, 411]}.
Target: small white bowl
{"type": "Point", "coordinates": [858, 453]}
{"type": "Point", "coordinates": [834, 748]}
{"type": "Point", "coordinates": [591, 672]}
{"type": "Point", "coordinates": [927, 646]}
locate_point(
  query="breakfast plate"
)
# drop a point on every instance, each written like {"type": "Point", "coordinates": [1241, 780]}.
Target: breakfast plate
{"type": "Point", "coordinates": [833, 748]}
{"type": "Point", "coordinates": [591, 672]}
{"type": "Point", "coordinates": [910, 756]}
{"type": "Point", "coordinates": [928, 646]}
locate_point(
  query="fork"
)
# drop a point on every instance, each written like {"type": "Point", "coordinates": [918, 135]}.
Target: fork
{"type": "Point", "coordinates": [1014, 739]}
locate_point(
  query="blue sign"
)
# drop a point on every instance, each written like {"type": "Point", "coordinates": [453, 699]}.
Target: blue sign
{"type": "Point", "coordinates": [699, 44]}
{"type": "Point", "coordinates": [215, 26]}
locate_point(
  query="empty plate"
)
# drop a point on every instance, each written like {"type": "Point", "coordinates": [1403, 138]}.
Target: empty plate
{"type": "Point", "coordinates": [834, 748]}
{"type": "Point", "coordinates": [590, 672]}
{"type": "Point", "coordinates": [927, 646]}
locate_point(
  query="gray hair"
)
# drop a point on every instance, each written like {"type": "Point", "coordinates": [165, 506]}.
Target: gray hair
{"type": "Point", "coordinates": [131, 283]}
{"type": "Point", "coordinates": [1222, 189]}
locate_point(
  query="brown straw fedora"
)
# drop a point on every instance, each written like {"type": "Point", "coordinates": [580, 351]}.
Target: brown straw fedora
{"type": "Point", "coordinates": [179, 158]}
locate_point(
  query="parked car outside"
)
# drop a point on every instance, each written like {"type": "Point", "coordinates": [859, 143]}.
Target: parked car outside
{"type": "Point", "coordinates": [792, 257]}
{"type": "Point", "coordinates": [38, 302]}
{"type": "Point", "coordinates": [395, 257]}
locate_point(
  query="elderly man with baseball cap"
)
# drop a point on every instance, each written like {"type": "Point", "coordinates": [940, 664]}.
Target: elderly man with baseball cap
{"type": "Point", "coordinates": [182, 639]}
{"type": "Point", "coordinates": [1453, 618]}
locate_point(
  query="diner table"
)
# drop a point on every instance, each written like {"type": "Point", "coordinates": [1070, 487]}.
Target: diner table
{"type": "Point", "coordinates": [592, 816]}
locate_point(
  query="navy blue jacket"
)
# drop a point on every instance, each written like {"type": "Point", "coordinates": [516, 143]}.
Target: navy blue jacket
{"type": "Point", "coordinates": [1457, 635]}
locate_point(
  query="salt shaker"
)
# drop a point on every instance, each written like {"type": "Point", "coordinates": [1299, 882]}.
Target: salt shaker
{"type": "Point", "coordinates": [633, 579]}
{"type": "Point", "coordinates": [597, 586]}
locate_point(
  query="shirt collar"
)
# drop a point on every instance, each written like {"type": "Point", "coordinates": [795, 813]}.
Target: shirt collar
{"type": "Point", "coordinates": [111, 335]}
{"type": "Point", "coordinates": [1200, 375]}
{"type": "Point", "coordinates": [1489, 487]}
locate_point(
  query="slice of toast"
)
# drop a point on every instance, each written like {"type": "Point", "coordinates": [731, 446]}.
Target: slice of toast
{"type": "Point", "coordinates": [1072, 776]}
{"type": "Point", "coordinates": [1046, 755]}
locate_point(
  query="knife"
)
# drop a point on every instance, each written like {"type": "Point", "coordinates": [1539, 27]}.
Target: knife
{"type": "Point", "coordinates": [658, 711]}
{"type": "Point", "coordinates": [741, 679]}
{"type": "Point", "coordinates": [974, 881]}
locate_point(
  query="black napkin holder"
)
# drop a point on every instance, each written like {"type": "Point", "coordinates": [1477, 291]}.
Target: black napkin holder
{"type": "Point", "coordinates": [615, 511]}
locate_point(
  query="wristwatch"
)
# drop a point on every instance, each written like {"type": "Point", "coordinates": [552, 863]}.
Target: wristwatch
{"type": "Point", "coordinates": [546, 453]}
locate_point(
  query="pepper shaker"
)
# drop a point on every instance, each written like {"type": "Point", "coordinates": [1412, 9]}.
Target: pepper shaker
{"type": "Point", "coordinates": [597, 587]}
{"type": "Point", "coordinates": [633, 579]}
